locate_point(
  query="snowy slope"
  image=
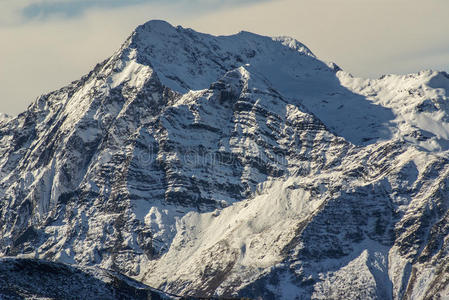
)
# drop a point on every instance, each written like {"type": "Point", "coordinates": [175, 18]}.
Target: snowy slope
{"type": "Point", "coordinates": [418, 101]}
{"type": "Point", "coordinates": [234, 166]}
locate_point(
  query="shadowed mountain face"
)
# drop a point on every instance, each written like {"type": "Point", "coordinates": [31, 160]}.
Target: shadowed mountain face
{"type": "Point", "coordinates": [234, 166]}
{"type": "Point", "coordinates": [37, 279]}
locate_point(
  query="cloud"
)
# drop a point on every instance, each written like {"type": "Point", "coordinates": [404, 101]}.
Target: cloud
{"type": "Point", "coordinates": [73, 8]}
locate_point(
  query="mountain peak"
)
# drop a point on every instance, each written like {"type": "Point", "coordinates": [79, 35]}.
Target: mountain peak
{"type": "Point", "coordinates": [188, 60]}
{"type": "Point", "coordinates": [159, 26]}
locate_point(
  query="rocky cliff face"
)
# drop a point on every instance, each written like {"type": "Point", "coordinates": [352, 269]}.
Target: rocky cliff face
{"type": "Point", "coordinates": [234, 166]}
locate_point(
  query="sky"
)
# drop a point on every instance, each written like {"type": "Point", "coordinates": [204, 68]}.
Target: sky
{"type": "Point", "coordinates": [46, 44]}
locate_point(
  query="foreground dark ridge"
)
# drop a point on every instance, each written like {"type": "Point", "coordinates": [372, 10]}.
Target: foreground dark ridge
{"type": "Point", "coordinates": [31, 278]}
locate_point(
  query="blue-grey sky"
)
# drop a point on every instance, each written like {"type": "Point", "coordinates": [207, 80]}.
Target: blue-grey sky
{"type": "Point", "coordinates": [49, 43]}
{"type": "Point", "coordinates": [75, 8]}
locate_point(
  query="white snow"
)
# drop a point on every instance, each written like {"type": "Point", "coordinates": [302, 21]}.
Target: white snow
{"type": "Point", "coordinates": [255, 229]}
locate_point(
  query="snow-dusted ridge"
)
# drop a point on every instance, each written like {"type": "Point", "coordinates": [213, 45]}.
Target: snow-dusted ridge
{"type": "Point", "coordinates": [234, 166]}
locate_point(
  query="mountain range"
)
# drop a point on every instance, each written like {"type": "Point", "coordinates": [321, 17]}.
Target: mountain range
{"type": "Point", "coordinates": [231, 166]}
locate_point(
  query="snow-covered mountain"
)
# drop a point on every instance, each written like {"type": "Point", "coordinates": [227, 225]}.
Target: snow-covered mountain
{"type": "Point", "coordinates": [235, 166]}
